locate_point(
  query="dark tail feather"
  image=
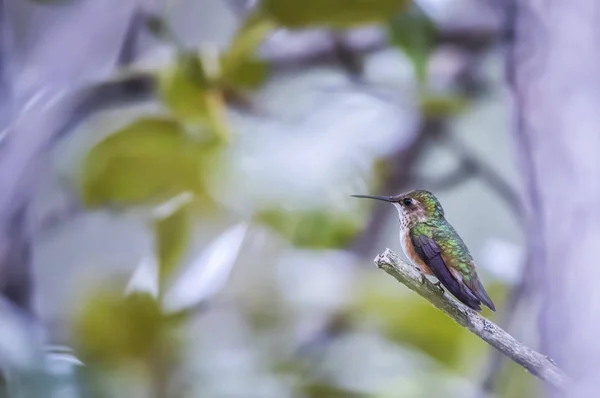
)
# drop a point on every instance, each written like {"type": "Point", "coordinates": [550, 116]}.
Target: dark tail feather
{"type": "Point", "coordinates": [462, 293]}
{"type": "Point", "coordinates": [467, 298]}
{"type": "Point", "coordinates": [459, 289]}
{"type": "Point", "coordinates": [453, 284]}
{"type": "Point", "coordinates": [479, 291]}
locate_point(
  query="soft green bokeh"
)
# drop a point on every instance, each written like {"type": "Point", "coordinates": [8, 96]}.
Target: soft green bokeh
{"type": "Point", "coordinates": [443, 106]}
{"type": "Point", "coordinates": [112, 329]}
{"type": "Point", "coordinates": [241, 67]}
{"type": "Point", "coordinates": [185, 89]}
{"type": "Point", "coordinates": [331, 13]}
{"type": "Point", "coordinates": [152, 158]}
{"type": "Point", "coordinates": [414, 33]}
{"type": "Point", "coordinates": [172, 238]}
{"type": "Point", "coordinates": [316, 229]}
{"type": "Point", "coordinates": [413, 320]}
{"type": "Point", "coordinates": [254, 322]}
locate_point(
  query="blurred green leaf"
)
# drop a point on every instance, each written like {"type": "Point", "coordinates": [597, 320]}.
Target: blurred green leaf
{"type": "Point", "coordinates": [183, 88]}
{"type": "Point", "coordinates": [113, 328]}
{"type": "Point", "coordinates": [240, 65]}
{"type": "Point", "coordinates": [415, 34]}
{"type": "Point", "coordinates": [514, 381]}
{"type": "Point", "coordinates": [316, 229]}
{"type": "Point", "coordinates": [331, 13]}
{"type": "Point", "coordinates": [245, 73]}
{"type": "Point", "coordinates": [410, 319]}
{"type": "Point", "coordinates": [250, 35]}
{"type": "Point", "coordinates": [197, 94]}
{"type": "Point", "coordinates": [172, 238]}
{"type": "Point", "coordinates": [193, 94]}
{"type": "Point", "coordinates": [441, 106]}
{"type": "Point", "coordinates": [323, 390]}
{"type": "Point", "coordinates": [407, 318]}
{"type": "Point", "coordinates": [150, 158]}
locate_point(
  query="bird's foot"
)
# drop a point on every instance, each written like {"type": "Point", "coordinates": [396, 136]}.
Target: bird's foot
{"type": "Point", "coordinates": [423, 278]}
{"type": "Point", "coordinates": [438, 284]}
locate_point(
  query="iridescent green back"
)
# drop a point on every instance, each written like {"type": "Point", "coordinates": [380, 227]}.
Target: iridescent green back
{"type": "Point", "coordinates": [454, 251]}
{"type": "Point", "coordinates": [430, 203]}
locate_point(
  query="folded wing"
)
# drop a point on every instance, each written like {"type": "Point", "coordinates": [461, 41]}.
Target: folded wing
{"type": "Point", "coordinates": [431, 254]}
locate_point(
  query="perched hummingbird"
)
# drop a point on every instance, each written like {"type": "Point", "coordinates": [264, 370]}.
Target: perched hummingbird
{"type": "Point", "coordinates": [432, 244]}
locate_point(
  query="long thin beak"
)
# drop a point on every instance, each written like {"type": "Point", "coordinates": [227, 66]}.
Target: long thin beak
{"type": "Point", "coordinates": [384, 198]}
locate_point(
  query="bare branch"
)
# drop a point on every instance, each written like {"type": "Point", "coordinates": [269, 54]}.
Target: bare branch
{"type": "Point", "coordinates": [518, 295]}
{"type": "Point", "coordinates": [537, 364]}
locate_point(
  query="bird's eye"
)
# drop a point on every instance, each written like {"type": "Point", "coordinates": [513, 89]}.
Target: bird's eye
{"type": "Point", "coordinates": [407, 201]}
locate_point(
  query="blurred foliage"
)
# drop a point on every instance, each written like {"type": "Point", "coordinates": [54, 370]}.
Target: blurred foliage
{"type": "Point", "coordinates": [198, 85]}
{"type": "Point", "coordinates": [516, 382]}
{"type": "Point", "coordinates": [443, 106]}
{"type": "Point", "coordinates": [413, 320]}
{"type": "Point", "coordinates": [184, 88]}
{"type": "Point", "coordinates": [241, 67]}
{"type": "Point", "coordinates": [172, 238]}
{"type": "Point", "coordinates": [324, 390]}
{"type": "Point", "coordinates": [156, 158]}
{"type": "Point", "coordinates": [191, 93]}
{"type": "Point", "coordinates": [331, 13]}
{"type": "Point", "coordinates": [152, 158]}
{"type": "Point", "coordinates": [415, 34]}
{"type": "Point", "coordinates": [410, 319]}
{"type": "Point", "coordinates": [314, 229]}
{"type": "Point", "coordinates": [137, 329]}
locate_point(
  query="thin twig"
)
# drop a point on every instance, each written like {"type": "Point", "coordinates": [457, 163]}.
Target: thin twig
{"type": "Point", "coordinates": [487, 174]}
{"type": "Point", "coordinates": [537, 364]}
{"type": "Point", "coordinates": [463, 173]}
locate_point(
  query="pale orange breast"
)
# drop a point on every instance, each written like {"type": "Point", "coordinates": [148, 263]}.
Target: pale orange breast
{"type": "Point", "coordinates": [409, 251]}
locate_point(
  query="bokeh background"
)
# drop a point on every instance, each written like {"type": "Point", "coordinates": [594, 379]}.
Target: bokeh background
{"type": "Point", "coordinates": [190, 230]}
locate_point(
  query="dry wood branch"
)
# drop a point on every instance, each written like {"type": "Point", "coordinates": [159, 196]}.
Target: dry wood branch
{"type": "Point", "coordinates": [534, 362]}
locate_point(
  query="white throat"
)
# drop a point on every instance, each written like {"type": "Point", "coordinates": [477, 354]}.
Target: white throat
{"type": "Point", "coordinates": [402, 216]}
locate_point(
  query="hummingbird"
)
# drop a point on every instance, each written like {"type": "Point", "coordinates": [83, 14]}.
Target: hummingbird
{"type": "Point", "coordinates": [434, 246]}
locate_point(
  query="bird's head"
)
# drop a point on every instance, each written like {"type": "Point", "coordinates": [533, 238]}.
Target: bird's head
{"type": "Point", "coordinates": [414, 206]}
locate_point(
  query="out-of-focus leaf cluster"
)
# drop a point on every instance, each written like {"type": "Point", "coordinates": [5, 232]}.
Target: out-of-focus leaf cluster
{"type": "Point", "coordinates": [172, 237]}
{"type": "Point", "coordinates": [316, 229]}
{"type": "Point", "coordinates": [151, 158]}
{"type": "Point", "coordinates": [415, 34]}
{"type": "Point", "coordinates": [410, 319]}
{"type": "Point", "coordinates": [156, 158]}
{"type": "Point", "coordinates": [113, 329]}
{"type": "Point", "coordinates": [331, 13]}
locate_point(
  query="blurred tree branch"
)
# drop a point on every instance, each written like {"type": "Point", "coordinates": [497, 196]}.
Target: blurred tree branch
{"type": "Point", "coordinates": [523, 290]}
{"type": "Point", "coordinates": [28, 141]}
{"type": "Point", "coordinates": [537, 364]}
{"type": "Point", "coordinates": [555, 90]}
{"type": "Point", "coordinates": [461, 174]}
{"type": "Point", "coordinates": [517, 296]}
{"type": "Point", "coordinates": [487, 174]}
